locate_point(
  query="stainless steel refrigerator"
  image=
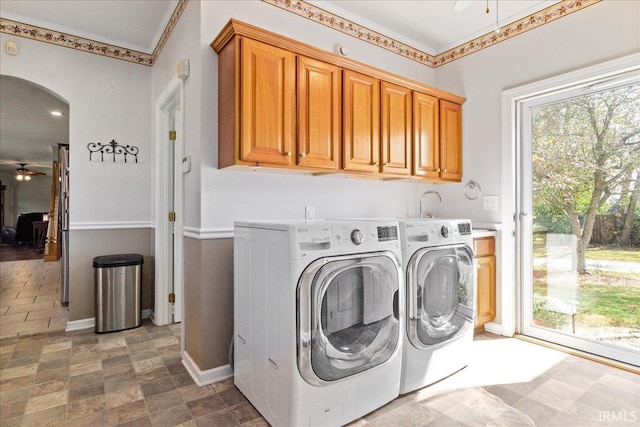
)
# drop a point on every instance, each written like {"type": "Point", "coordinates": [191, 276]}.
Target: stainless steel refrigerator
{"type": "Point", "coordinates": [63, 221]}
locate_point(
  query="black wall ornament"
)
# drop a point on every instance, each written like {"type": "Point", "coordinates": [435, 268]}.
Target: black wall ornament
{"type": "Point", "coordinates": [112, 148]}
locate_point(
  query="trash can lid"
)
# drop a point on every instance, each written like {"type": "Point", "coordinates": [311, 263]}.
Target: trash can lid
{"type": "Point", "coordinates": [119, 260]}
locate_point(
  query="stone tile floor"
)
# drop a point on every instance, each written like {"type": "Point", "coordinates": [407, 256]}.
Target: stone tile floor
{"type": "Point", "coordinates": [30, 298]}
{"type": "Point", "coordinates": [136, 378]}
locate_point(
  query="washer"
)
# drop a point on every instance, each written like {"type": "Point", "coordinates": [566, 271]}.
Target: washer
{"type": "Point", "coordinates": [440, 299]}
{"type": "Point", "coordinates": [318, 318]}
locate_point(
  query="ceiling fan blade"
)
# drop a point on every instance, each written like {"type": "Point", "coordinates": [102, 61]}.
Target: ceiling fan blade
{"type": "Point", "coordinates": [460, 5]}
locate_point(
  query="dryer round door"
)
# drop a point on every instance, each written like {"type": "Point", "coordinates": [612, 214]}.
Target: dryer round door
{"type": "Point", "coordinates": [440, 294]}
{"type": "Point", "coordinates": [347, 310]}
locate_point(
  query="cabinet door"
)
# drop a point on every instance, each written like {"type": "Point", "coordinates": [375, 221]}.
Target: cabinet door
{"type": "Point", "coordinates": [268, 84]}
{"type": "Point", "coordinates": [396, 129]}
{"type": "Point", "coordinates": [319, 114]}
{"type": "Point", "coordinates": [361, 120]}
{"type": "Point", "coordinates": [486, 289]}
{"type": "Point", "coordinates": [450, 141]}
{"type": "Point", "coordinates": [426, 146]}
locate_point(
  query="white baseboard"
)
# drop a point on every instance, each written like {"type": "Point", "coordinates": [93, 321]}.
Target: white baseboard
{"type": "Point", "coordinates": [210, 376]}
{"type": "Point", "coordinates": [494, 328]}
{"type": "Point", "coordinates": [76, 325]}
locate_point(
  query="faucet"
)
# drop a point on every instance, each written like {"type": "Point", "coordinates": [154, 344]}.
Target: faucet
{"type": "Point", "coordinates": [429, 215]}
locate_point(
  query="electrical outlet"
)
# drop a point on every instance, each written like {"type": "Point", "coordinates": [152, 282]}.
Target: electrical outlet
{"type": "Point", "coordinates": [490, 203]}
{"type": "Point", "coordinates": [309, 212]}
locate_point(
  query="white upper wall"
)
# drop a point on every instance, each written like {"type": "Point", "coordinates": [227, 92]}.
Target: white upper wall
{"type": "Point", "coordinates": [224, 195]}
{"type": "Point", "coordinates": [601, 32]}
{"type": "Point", "coordinates": [108, 99]}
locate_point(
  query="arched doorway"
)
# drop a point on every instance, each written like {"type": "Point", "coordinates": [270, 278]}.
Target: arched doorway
{"type": "Point", "coordinates": [34, 122]}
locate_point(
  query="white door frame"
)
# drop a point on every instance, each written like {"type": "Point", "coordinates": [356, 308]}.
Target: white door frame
{"type": "Point", "coordinates": [514, 216]}
{"type": "Point", "coordinates": [170, 98]}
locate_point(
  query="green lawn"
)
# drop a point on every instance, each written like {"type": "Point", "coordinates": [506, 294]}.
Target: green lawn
{"type": "Point", "coordinates": [605, 299]}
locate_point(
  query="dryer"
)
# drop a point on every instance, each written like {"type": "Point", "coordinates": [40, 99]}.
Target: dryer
{"type": "Point", "coordinates": [318, 318]}
{"type": "Point", "coordinates": [440, 299]}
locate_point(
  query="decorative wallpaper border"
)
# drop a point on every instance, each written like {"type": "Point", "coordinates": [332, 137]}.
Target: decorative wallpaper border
{"type": "Point", "coordinates": [318, 15]}
{"type": "Point", "coordinates": [91, 46]}
{"type": "Point", "coordinates": [328, 19]}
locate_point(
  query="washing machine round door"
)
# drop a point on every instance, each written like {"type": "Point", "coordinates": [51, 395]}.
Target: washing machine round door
{"type": "Point", "coordinates": [347, 315]}
{"type": "Point", "coordinates": [440, 294]}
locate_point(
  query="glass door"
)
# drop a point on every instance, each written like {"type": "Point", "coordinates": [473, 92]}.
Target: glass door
{"type": "Point", "coordinates": [579, 219]}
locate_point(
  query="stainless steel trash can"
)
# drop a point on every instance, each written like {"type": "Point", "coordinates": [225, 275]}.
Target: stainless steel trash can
{"type": "Point", "coordinates": [117, 282]}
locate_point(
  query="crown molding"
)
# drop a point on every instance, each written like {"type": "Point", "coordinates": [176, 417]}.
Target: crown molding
{"type": "Point", "coordinates": [315, 14]}
{"type": "Point", "coordinates": [331, 20]}
{"type": "Point", "coordinates": [58, 38]}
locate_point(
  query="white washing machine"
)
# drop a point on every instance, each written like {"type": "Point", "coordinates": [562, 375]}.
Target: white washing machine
{"type": "Point", "coordinates": [318, 318]}
{"type": "Point", "coordinates": [440, 299]}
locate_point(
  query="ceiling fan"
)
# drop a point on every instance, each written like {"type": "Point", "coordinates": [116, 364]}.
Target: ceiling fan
{"type": "Point", "coordinates": [24, 174]}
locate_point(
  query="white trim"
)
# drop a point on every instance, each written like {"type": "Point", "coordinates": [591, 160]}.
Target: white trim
{"type": "Point", "coordinates": [210, 376]}
{"type": "Point", "coordinates": [208, 233]}
{"type": "Point", "coordinates": [111, 225]}
{"type": "Point", "coordinates": [76, 325]}
{"type": "Point", "coordinates": [164, 267]}
{"type": "Point", "coordinates": [513, 100]}
{"type": "Point", "coordinates": [494, 328]}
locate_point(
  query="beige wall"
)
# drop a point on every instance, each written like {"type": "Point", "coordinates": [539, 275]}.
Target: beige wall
{"type": "Point", "coordinates": [88, 244]}
{"type": "Point", "coordinates": [208, 297]}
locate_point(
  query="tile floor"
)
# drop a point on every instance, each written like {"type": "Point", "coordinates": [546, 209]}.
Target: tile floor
{"type": "Point", "coordinates": [136, 378]}
{"type": "Point", "coordinates": [30, 298]}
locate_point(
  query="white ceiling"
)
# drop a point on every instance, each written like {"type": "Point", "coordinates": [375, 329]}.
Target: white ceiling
{"type": "Point", "coordinates": [432, 25]}
{"type": "Point", "coordinates": [132, 24]}
{"type": "Point", "coordinates": [28, 130]}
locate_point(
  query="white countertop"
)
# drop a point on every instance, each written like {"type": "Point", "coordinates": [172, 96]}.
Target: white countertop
{"type": "Point", "coordinates": [477, 233]}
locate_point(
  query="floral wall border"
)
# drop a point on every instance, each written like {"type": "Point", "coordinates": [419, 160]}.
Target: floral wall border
{"type": "Point", "coordinates": [91, 46]}
{"type": "Point", "coordinates": [328, 19]}
{"type": "Point", "coordinates": [313, 13]}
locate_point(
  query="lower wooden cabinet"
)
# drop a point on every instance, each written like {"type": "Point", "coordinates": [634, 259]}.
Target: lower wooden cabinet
{"type": "Point", "coordinates": [484, 252]}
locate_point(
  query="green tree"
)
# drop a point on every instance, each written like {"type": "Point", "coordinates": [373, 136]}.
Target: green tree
{"type": "Point", "coordinates": [584, 149]}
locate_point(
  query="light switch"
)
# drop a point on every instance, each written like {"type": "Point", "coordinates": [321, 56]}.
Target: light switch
{"type": "Point", "coordinates": [12, 48]}
{"type": "Point", "coordinates": [490, 203]}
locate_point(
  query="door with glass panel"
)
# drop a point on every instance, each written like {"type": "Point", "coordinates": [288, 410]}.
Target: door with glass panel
{"type": "Point", "coordinates": [579, 224]}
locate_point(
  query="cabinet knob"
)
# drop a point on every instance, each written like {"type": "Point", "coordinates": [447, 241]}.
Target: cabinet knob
{"type": "Point", "coordinates": [444, 170]}
{"type": "Point", "coordinates": [375, 163]}
{"type": "Point", "coordinates": [288, 154]}
{"type": "Point", "coordinates": [438, 170]}
{"type": "Point", "coordinates": [385, 164]}
{"type": "Point", "coordinates": [303, 154]}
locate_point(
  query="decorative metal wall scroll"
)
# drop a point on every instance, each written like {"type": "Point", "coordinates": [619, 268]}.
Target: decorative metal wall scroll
{"type": "Point", "coordinates": [114, 149]}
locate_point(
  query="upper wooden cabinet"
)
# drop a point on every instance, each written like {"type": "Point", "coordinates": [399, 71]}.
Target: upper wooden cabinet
{"type": "Point", "coordinates": [426, 136]}
{"type": "Point", "coordinates": [319, 114]}
{"type": "Point", "coordinates": [267, 106]}
{"type": "Point", "coordinates": [285, 104]}
{"type": "Point", "coordinates": [450, 141]}
{"type": "Point", "coordinates": [361, 119]}
{"type": "Point", "coordinates": [395, 136]}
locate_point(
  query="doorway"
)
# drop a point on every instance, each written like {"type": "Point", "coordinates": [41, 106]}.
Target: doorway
{"type": "Point", "coordinates": [578, 167]}
{"type": "Point", "coordinates": [34, 121]}
{"type": "Point", "coordinates": [169, 204]}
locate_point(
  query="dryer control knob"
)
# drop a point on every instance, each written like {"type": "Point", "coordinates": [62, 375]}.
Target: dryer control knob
{"type": "Point", "coordinates": [357, 237]}
{"type": "Point", "coordinates": [445, 231]}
